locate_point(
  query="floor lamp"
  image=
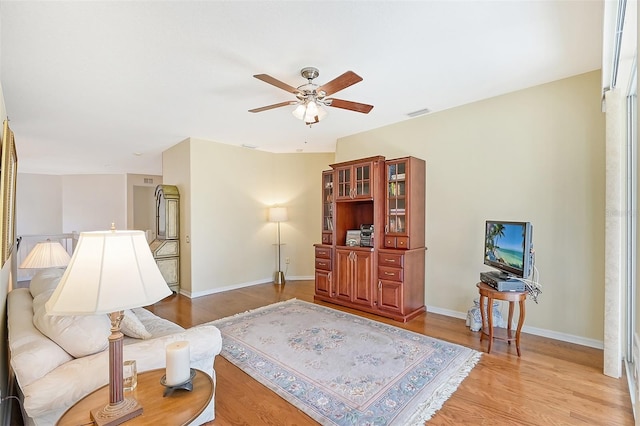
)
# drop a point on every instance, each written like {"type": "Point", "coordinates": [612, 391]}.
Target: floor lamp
{"type": "Point", "coordinates": [278, 214]}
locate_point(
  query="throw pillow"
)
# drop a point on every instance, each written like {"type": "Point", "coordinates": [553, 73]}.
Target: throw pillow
{"type": "Point", "coordinates": [132, 326]}
{"type": "Point", "coordinates": [79, 335]}
{"type": "Point", "coordinates": [44, 280]}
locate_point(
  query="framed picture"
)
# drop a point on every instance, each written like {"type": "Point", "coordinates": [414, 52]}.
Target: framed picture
{"type": "Point", "coordinates": [8, 174]}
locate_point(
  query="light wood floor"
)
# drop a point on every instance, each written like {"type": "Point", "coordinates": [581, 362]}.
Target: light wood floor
{"type": "Point", "coordinates": [553, 383]}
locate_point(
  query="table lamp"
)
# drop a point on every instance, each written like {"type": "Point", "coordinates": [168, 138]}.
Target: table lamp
{"type": "Point", "coordinates": [110, 271]}
{"type": "Point", "coordinates": [278, 214]}
{"type": "Point", "coordinates": [46, 254]}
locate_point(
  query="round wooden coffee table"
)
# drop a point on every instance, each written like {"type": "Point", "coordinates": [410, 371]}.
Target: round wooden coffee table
{"type": "Point", "coordinates": [179, 408]}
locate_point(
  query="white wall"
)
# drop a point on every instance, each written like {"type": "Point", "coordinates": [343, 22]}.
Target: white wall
{"type": "Point", "coordinates": [138, 184]}
{"type": "Point", "coordinates": [7, 281]}
{"type": "Point", "coordinates": [535, 155]}
{"type": "Point", "coordinates": [224, 200]}
{"type": "Point", "coordinates": [38, 204]}
{"type": "Point", "coordinates": [93, 202]}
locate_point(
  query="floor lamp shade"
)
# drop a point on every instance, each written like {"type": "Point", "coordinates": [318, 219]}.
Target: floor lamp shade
{"type": "Point", "coordinates": [46, 254]}
{"type": "Point", "coordinates": [278, 214]}
{"type": "Point", "coordinates": [110, 271]}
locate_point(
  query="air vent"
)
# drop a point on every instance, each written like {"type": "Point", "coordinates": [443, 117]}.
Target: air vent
{"type": "Point", "coordinates": [419, 112]}
{"type": "Point", "coordinates": [148, 180]}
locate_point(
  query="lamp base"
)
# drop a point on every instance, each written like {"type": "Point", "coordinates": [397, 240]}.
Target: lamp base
{"type": "Point", "coordinates": [112, 415]}
{"type": "Point", "coordinates": [279, 278]}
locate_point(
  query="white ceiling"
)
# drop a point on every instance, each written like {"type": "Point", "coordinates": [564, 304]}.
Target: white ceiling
{"type": "Point", "coordinates": [105, 87]}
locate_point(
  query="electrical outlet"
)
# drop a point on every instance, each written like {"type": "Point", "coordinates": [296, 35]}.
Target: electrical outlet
{"type": "Point", "coordinates": [287, 260]}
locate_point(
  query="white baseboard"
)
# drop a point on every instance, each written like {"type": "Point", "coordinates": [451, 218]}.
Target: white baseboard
{"type": "Point", "coordinates": [191, 295]}
{"type": "Point", "coordinates": [570, 338]}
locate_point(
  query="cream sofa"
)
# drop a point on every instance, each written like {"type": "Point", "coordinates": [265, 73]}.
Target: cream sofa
{"type": "Point", "coordinates": [51, 380]}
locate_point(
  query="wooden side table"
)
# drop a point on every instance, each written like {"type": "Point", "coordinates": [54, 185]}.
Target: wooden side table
{"type": "Point", "coordinates": [179, 408]}
{"type": "Point", "coordinates": [506, 334]}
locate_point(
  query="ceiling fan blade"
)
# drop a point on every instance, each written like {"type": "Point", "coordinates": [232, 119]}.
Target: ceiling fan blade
{"type": "Point", "coordinates": [268, 107]}
{"type": "Point", "coordinates": [347, 79]}
{"type": "Point", "coordinates": [350, 105]}
{"type": "Point", "coordinates": [275, 82]}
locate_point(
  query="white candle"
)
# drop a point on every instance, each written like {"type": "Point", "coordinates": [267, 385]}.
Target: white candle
{"type": "Point", "coordinates": [178, 365]}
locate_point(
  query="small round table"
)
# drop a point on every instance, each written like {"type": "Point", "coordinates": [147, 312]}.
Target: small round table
{"type": "Point", "coordinates": [179, 408]}
{"type": "Point", "coordinates": [506, 334]}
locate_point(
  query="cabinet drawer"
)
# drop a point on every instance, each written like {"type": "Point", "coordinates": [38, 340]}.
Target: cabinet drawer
{"type": "Point", "coordinates": [390, 274]}
{"type": "Point", "coordinates": [396, 242]}
{"type": "Point", "coordinates": [326, 238]}
{"type": "Point", "coordinates": [402, 242]}
{"type": "Point", "coordinates": [324, 264]}
{"type": "Point", "coordinates": [389, 242]}
{"type": "Point", "coordinates": [392, 260]}
{"type": "Point", "coordinates": [323, 253]}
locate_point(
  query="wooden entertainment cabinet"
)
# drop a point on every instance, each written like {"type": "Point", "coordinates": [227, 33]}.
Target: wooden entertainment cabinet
{"type": "Point", "coordinates": [385, 277]}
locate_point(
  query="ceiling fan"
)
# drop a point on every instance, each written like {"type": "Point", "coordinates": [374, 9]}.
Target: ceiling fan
{"type": "Point", "coordinates": [312, 98]}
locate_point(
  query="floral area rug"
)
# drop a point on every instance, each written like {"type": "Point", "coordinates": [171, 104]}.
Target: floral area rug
{"type": "Point", "coordinates": [341, 369]}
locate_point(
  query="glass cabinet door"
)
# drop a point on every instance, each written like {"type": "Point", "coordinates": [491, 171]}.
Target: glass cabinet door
{"type": "Point", "coordinates": [363, 180]}
{"type": "Point", "coordinates": [327, 207]}
{"type": "Point", "coordinates": [344, 182]}
{"type": "Point", "coordinates": [327, 201]}
{"type": "Point", "coordinates": [396, 198]}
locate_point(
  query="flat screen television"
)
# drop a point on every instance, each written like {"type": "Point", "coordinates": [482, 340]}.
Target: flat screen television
{"type": "Point", "coordinates": [508, 247]}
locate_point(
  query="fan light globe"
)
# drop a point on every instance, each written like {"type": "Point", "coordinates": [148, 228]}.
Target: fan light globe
{"type": "Point", "coordinates": [309, 111]}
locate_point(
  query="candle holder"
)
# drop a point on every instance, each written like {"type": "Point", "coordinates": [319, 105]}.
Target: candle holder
{"type": "Point", "coordinates": [188, 385]}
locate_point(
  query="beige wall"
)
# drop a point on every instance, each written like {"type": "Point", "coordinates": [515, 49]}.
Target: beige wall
{"type": "Point", "coordinates": [534, 155]}
{"type": "Point", "coordinates": [224, 212]}
{"type": "Point", "coordinates": [175, 171]}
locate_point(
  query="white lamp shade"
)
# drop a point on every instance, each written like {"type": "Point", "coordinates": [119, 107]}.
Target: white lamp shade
{"type": "Point", "coordinates": [278, 214]}
{"type": "Point", "coordinates": [110, 271]}
{"type": "Point", "coordinates": [46, 254]}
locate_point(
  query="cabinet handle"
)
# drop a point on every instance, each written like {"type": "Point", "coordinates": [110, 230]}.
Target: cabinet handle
{"type": "Point", "coordinates": [401, 243]}
{"type": "Point", "coordinates": [386, 229]}
{"type": "Point", "coordinates": [321, 263]}
{"type": "Point", "coordinates": [390, 260]}
{"type": "Point", "coordinates": [329, 277]}
{"type": "Point", "coordinates": [379, 284]}
{"type": "Point", "coordinates": [390, 273]}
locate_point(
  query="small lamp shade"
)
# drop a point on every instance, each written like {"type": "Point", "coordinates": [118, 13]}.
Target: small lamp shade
{"type": "Point", "coordinates": [278, 214]}
{"type": "Point", "coordinates": [110, 271]}
{"type": "Point", "coordinates": [46, 254]}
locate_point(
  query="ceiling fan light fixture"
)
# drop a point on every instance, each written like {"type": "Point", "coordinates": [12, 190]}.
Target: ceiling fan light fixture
{"type": "Point", "coordinates": [309, 111]}
{"type": "Point", "coordinates": [312, 98]}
